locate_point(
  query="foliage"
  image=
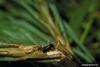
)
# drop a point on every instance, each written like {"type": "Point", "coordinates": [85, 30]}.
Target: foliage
{"type": "Point", "coordinates": [40, 21]}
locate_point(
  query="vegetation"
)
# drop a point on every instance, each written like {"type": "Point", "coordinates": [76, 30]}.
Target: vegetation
{"type": "Point", "coordinates": [75, 23]}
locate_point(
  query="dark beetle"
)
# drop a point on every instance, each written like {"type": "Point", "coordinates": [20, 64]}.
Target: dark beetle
{"type": "Point", "coordinates": [47, 48]}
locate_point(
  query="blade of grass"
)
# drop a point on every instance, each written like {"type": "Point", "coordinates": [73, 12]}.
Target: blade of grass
{"type": "Point", "coordinates": [33, 13]}
{"type": "Point", "coordinates": [87, 28]}
{"type": "Point", "coordinates": [7, 59]}
{"type": "Point", "coordinates": [79, 53]}
{"type": "Point", "coordinates": [47, 19]}
{"type": "Point", "coordinates": [26, 16]}
{"type": "Point", "coordinates": [28, 36]}
{"type": "Point", "coordinates": [13, 36]}
{"type": "Point", "coordinates": [46, 14]}
{"type": "Point", "coordinates": [74, 37]}
{"type": "Point", "coordinates": [58, 20]}
{"type": "Point", "coordinates": [33, 29]}
{"type": "Point", "coordinates": [78, 15]}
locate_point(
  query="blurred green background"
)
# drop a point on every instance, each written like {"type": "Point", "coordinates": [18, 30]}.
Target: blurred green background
{"type": "Point", "coordinates": [28, 21]}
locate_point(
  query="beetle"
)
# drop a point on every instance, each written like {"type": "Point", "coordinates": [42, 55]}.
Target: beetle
{"type": "Point", "coordinates": [47, 48]}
